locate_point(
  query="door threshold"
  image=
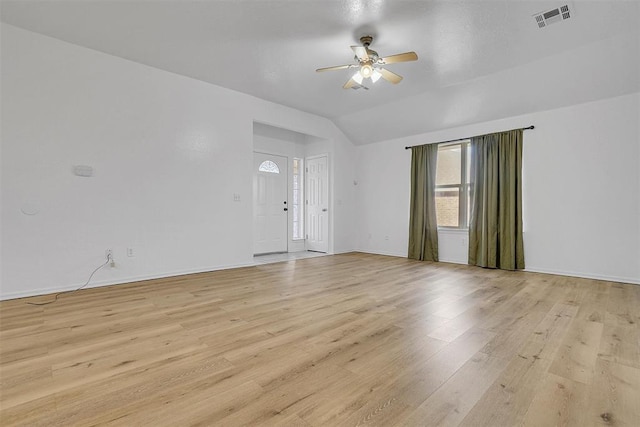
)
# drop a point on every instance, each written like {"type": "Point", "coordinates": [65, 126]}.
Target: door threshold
{"type": "Point", "coordinates": [270, 253]}
{"type": "Point", "coordinates": [285, 256]}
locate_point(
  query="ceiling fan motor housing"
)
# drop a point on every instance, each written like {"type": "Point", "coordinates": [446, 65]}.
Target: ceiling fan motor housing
{"type": "Point", "coordinates": [366, 40]}
{"type": "Point", "coordinates": [373, 55]}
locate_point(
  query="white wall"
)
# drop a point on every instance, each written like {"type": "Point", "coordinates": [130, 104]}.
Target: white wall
{"type": "Point", "coordinates": [168, 153]}
{"type": "Point", "coordinates": [581, 186]}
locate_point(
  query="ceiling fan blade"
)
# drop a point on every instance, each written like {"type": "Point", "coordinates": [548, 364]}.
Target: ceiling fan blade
{"type": "Point", "coordinates": [401, 57]}
{"type": "Point", "coordinates": [337, 67]}
{"type": "Point", "coordinates": [389, 76]}
{"type": "Point", "coordinates": [361, 52]}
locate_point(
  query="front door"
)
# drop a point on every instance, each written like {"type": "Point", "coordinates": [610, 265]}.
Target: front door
{"type": "Point", "coordinates": [270, 209]}
{"type": "Point", "coordinates": [317, 204]}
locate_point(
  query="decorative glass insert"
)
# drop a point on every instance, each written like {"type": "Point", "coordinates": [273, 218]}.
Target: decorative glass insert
{"type": "Point", "coordinates": [298, 223]}
{"type": "Point", "coordinates": [269, 166]}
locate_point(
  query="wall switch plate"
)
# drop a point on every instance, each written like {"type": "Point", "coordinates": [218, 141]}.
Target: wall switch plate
{"type": "Point", "coordinates": [236, 197]}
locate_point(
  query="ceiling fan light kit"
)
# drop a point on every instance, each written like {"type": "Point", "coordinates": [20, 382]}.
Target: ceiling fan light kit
{"type": "Point", "coordinates": [369, 65]}
{"type": "Point", "coordinates": [366, 70]}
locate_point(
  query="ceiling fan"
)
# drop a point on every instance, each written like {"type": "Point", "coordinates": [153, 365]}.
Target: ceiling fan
{"type": "Point", "coordinates": [369, 65]}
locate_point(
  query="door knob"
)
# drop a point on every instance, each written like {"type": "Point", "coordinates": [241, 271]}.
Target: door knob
{"type": "Point", "coordinates": [324, 210]}
{"type": "Point", "coordinates": [285, 209]}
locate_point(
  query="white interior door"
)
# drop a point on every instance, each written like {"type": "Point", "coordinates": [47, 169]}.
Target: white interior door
{"type": "Point", "coordinates": [270, 208]}
{"type": "Point", "coordinates": [317, 204]}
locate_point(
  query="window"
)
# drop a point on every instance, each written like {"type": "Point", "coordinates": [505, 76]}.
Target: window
{"type": "Point", "coordinates": [268, 166]}
{"type": "Point", "coordinates": [452, 185]}
{"type": "Point", "coordinates": [296, 205]}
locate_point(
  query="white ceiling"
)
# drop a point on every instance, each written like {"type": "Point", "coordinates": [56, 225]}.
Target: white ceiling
{"type": "Point", "coordinates": [478, 60]}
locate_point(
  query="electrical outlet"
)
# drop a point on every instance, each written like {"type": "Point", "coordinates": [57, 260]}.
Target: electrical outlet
{"type": "Point", "coordinates": [130, 252]}
{"type": "Point", "coordinates": [109, 254]}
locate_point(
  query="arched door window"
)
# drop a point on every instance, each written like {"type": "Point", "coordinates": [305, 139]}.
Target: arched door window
{"type": "Point", "coordinates": [268, 166]}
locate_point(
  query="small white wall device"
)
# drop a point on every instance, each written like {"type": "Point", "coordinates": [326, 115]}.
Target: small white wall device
{"type": "Point", "coordinates": [83, 170]}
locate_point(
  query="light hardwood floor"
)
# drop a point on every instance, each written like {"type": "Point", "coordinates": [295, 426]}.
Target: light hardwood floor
{"type": "Point", "coordinates": [352, 339]}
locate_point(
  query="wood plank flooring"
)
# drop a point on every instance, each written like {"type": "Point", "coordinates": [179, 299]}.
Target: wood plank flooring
{"type": "Point", "coordinates": [344, 340]}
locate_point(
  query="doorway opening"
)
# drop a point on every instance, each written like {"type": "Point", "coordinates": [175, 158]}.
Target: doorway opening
{"type": "Point", "coordinates": [291, 194]}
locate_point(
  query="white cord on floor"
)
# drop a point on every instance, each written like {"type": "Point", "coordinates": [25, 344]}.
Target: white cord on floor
{"type": "Point", "coordinates": [75, 290]}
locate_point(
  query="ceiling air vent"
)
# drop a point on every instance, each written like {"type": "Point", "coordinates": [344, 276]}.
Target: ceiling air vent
{"type": "Point", "coordinates": [552, 16]}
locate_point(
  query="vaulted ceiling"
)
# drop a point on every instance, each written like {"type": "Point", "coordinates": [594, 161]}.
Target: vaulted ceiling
{"type": "Point", "coordinates": [478, 60]}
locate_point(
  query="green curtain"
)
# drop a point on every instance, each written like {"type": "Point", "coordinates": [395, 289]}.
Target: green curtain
{"type": "Point", "coordinates": [423, 227]}
{"type": "Point", "coordinates": [495, 225]}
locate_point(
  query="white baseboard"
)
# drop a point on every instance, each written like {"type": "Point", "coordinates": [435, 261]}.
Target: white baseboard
{"type": "Point", "coordinates": [606, 278]}
{"type": "Point", "coordinates": [386, 253]}
{"type": "Point", "coordinates": [102, 283]}
{"type": "Point", "coordinates": [453, 261]}
{"type": "Point", "coordinates": [343, 251]}
{"type": "Point", "coordinates": [44, 291]}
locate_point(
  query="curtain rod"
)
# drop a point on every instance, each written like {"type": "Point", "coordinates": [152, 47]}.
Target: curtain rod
{"type": "Point", "coordinates": [469, 137]}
